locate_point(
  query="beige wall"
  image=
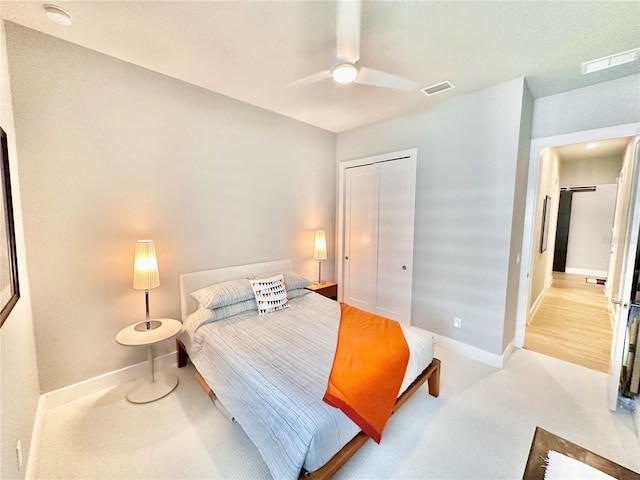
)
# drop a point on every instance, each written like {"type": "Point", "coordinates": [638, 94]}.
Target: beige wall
{"type": "Point", "coordinates": [590, 171]}
{"type": "Point", "coordinates": [542, 262]}
{"type": "Point", "coordinates": [111, 152]}
{"type": "Point", "coordinates": [19, 389]}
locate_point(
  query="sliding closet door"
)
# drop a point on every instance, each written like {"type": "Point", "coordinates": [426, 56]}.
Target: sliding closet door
{"type": "Point", "coordinates": [361, 232]}
{"type": "Point", "coordinates": [378, 217]}
{"type": "Point", "coordinates": [395, 239]}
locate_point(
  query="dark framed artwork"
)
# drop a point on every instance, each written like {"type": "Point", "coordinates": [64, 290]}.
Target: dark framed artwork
{"type": "Point", "coordinates": [546, 213]}
{"type": "Point", "coordinates": [9, 287]}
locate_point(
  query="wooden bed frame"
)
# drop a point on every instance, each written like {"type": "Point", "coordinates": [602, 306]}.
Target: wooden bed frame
{"type": "Point", "coordinates": [191, 282]}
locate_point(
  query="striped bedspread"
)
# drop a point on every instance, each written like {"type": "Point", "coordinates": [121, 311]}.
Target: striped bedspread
{"type": "Point", "coordinates": [271, 372]}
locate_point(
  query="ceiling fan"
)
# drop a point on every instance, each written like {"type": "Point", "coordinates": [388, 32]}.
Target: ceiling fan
{"type": "Point", "coordinates": [346, 68]}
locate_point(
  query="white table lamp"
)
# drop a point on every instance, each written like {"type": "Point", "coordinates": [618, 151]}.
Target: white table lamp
{"type": "Point", "coordinates": [146, 277]}
{"type": "Point", "coordinates": [320, 251]}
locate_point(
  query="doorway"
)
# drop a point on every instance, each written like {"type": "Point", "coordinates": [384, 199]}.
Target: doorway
{"type": "Point", "coordinates": [531, 238]}
{"type": "Point", "coordinates": [571, 319]}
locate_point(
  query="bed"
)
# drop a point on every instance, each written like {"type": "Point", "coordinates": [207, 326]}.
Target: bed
{"type": "Point", "coordinates": [269, 372]}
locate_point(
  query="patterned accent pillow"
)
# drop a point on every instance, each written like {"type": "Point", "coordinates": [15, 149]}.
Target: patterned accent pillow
{"type": "Point", "coordinates": [270, 293]}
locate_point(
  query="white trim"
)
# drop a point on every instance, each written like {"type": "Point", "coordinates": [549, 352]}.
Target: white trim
{"type": "Point", "coordinates": [90, 386]}
{"type": "Point", "coordinates": [587, 272]}
{"type": "Point", "coordinates": [626, 130]}
{"type": "Point", "coordinates": [475, 353]}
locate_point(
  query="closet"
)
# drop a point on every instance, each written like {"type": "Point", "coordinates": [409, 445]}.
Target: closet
{"type": "Point", "coordinates": [376, 221]}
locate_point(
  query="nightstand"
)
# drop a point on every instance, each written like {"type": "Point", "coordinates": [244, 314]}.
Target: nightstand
{"type": "Point", "coordinates": [161, 384]}
{"type": "Point", "coordinates": [327, 289]}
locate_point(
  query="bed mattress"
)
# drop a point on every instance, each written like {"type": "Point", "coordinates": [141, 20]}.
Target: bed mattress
{"type": "Point", "coordinates": [271, 373]}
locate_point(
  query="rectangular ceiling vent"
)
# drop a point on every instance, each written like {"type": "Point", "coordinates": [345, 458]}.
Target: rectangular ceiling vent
{"type": "Point", "coordinates": [438, 88]}
{"type": "Point", "coordinates": [610, 61]}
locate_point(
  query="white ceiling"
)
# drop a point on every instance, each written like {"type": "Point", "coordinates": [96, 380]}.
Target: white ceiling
{"type": "Point", "coordinates": [256, 51]}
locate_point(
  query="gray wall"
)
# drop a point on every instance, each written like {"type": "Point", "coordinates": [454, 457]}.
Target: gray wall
{"type": "Point", "coordinates": [602, 105]}
{"type": "Point", "coordinates": [111, 152]}
{"type": "Point", "coordinates": [468, 152]}
{"type": "Point", "coordinates": [19, 389]}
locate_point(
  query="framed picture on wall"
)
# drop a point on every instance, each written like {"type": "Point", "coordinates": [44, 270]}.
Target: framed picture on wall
{"type": "Point", "coordinates": [546, 213]}
{"type": "Point", "coordinates": [9, 288]}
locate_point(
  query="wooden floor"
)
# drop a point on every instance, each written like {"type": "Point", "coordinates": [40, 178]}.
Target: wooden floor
{"type": "Point", "coordinates": [572, 323]}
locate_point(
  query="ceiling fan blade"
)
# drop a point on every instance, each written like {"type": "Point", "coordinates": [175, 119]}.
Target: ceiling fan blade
{"type": "Point", "coordinates": [376, 78]}
{"type": "Point", "coordinates": [348, 14]}
{"type": "Point", "coordinates": [316, 77]}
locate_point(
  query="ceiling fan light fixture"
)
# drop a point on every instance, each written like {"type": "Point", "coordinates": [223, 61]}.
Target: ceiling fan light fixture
{"type": "Point", "coordinates": [58, 15]}
{"type": "Point", "coordinates": [344, 73]}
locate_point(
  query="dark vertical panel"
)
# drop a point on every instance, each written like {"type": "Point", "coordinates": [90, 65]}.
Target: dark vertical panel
{"type": "Point", "coordinates": [562, 232]}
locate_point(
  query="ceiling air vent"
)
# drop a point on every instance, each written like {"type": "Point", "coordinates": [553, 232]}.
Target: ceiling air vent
{"type": "Point", "coordinates": [438, 87]}
{"type": "Point", "coordinates": [610, 61]}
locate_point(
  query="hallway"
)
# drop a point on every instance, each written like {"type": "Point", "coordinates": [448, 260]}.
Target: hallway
{"type": "Point", "coordinates": [572, 323]}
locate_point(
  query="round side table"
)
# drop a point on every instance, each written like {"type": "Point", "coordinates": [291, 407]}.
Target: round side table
{"type": "Point", "coordinates": [163, 383]}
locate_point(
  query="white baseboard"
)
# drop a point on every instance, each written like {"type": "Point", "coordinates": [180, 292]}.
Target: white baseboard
{"type": "Point", "coordinates": [535, 306]}
{"type": "Point", "coordinates": [492, 359]}
{"type": "Point", "coordinates": [68, 394]}
{"type": "Point", "coordinates": [108, 380]}
{"type": "Point", "coordinates": [587, 272]}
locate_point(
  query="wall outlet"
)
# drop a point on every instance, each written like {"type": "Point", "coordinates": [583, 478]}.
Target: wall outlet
{"type": "Point", "coordinates": [19, 454]}
{"type": "Point", "coordinates": [457, 322]}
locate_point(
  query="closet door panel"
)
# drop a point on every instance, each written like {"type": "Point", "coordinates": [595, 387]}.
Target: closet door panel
{"type": "Point", "coordinates": [361, 206]}
{"type": "Point", "coordinates": [395, 239]}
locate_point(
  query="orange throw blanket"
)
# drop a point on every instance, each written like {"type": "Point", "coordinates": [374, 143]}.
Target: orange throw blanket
{"type": "Point", "coordinates": [368, 369]}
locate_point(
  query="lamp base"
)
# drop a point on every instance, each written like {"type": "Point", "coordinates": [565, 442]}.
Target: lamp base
{"type": "Point", "coordinates": [147, 326]}
{"type": "Point", "coordinates": [146, 392]}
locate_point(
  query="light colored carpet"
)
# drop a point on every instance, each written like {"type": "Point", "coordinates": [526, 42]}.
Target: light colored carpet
{"type": "Point", "coordinates": [480, 427]}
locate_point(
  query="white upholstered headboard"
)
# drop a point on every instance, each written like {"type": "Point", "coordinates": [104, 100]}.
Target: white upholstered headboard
{"type": "Point", "coordinates": [190, 282]}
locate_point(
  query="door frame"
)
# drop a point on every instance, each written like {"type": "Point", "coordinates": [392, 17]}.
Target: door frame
{"type": "Point", "coordinates": [411, 153]}
{"type": "Point", "coordinates": [537, 145]}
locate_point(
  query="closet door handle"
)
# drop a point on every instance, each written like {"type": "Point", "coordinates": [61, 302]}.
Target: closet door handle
{"type": "Point", "coordinates": [404, 267]}
{"type": "Point", "coordinates": [346, 258]}
{"type": "Point", "coordinates": [619, 302]}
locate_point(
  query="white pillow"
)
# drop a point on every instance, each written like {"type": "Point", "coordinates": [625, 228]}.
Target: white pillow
{"type": "Point", "coordinates": [291, 279]}
{"type": "Point", "coordinates": [270, 293]}
{"type": "Point", "coordinates": [225, 293]}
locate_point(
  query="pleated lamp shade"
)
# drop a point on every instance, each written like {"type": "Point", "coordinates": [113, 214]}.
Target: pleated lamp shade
{"type": "Point", "coordinates": [145, 266]}
{"type": "Point", "coordinates": [320, 246]}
